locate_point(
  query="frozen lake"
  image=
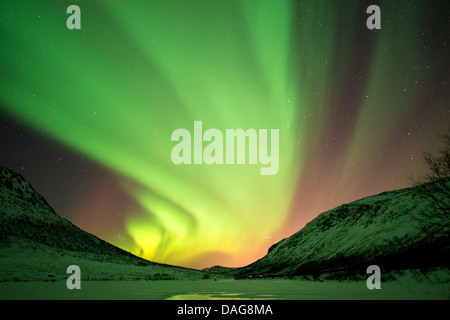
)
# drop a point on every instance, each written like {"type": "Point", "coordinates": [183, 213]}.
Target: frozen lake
{"type": "Point", "coordinates": [224, 289]}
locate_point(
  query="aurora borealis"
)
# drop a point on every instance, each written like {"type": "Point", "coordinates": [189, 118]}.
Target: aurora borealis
{"type": "Point", "coordinates": [87, 115]}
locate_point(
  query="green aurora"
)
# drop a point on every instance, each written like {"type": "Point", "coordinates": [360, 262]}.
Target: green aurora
{"type": "Point", "coordinates": [115, 91]}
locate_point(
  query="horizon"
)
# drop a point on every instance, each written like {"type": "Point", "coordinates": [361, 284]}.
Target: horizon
{"type": "Point", "coordinates": [88, 114]}
{"type": "Point", "coordinates": [242, 266]}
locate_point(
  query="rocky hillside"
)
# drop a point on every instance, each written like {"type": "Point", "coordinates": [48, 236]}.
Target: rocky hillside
{"type": "Point", "coordinates": [37, 244]}
{"type": "Point", "coordinates": [393, 230]}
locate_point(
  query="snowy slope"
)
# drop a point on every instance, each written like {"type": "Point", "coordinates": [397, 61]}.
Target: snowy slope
{"type": "Point", "coordinates": [36, 243]}
{"type": "Point", "coordinates": [383, 229]}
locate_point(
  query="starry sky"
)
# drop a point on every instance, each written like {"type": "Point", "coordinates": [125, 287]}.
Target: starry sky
{"type": "Point", "coordinates": [86, 116]}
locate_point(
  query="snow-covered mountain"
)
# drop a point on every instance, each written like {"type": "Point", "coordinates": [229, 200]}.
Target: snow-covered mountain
{"type": "Point", "coordinates": [394, 230]}
{"type": "Point", "coordinates": [38, 244]}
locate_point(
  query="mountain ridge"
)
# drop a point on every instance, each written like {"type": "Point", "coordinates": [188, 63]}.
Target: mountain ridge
{"type": "Point", "coordinates": [29, 228]}
{"type": "Point", "coordinates": [37, 244]}
{"type": "Point", "coordinates": [380, 229]}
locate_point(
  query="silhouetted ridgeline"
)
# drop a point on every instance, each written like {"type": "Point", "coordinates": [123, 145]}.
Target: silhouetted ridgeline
{"type": "Point", "coordinates": [36, 243]}
{"type": "Point", "coordinates": [384, 229]}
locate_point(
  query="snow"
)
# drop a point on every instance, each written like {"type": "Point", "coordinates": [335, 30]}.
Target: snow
{"type": "Point", "coordinates": [37, 246]}
{"type": "Point", "coordinates": [261, 289]}
{"type": "Point", "coordinates": [360, 231]}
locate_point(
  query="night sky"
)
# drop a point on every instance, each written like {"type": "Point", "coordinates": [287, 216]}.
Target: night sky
{"type": "Point", "coordinates": [86, 116]}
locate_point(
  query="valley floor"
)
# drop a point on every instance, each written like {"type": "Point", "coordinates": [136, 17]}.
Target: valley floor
{"type": "Point", "coordinates": [228, 289]}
